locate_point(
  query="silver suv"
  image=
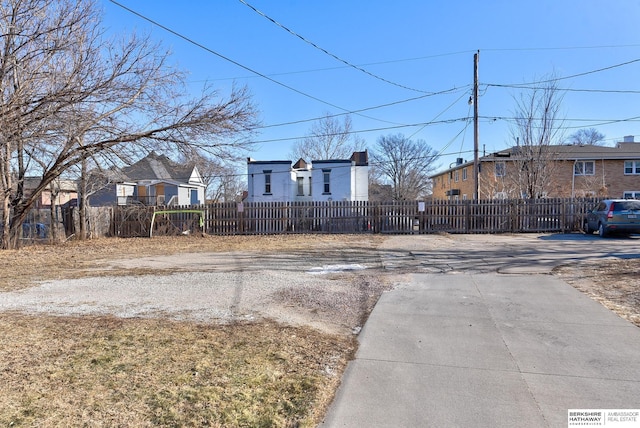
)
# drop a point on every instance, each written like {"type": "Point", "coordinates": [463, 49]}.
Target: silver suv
{"type": "Point", "coordinates": [614, 216]}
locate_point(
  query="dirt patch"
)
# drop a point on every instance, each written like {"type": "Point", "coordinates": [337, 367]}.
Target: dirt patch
{"type": "Point", "coordinates": [613, 283]}
{"type": "Point", "coordinates": [161, 367]}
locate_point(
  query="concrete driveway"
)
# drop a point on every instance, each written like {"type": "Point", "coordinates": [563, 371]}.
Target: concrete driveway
{"type": "Point", "coordinates": [490, 339]}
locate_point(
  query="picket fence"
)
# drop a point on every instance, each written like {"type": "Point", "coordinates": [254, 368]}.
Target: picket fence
{"type": "Point", "coordinates": [406, 217]}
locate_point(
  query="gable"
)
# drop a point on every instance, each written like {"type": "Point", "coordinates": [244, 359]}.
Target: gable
{"type": "Point", "coordinates": [160, 167]}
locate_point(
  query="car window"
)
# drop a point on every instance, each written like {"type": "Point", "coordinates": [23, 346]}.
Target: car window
{"type": "Point", "coordinates": [626, 206]}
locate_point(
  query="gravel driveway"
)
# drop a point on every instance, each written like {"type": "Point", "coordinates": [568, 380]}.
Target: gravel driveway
{"type": "Point", "coordinates": [332, 289]}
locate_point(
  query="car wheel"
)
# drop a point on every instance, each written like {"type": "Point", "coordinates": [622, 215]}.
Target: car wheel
{"type": "Point", "coordinates": [601, 230]}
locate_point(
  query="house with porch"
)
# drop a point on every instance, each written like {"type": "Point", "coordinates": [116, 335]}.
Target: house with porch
{"type": "Point", "coordinates": [320, 180]}
{"type": "Point", "coordinates": [153, 180]}
{"type": "Point", "coordinates": [572, 170]}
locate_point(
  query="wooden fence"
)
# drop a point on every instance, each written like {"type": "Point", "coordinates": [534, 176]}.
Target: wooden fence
{"type": "Point", "coordinates": [490, 216]}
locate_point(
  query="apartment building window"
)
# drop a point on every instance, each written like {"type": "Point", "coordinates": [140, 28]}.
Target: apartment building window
{"type": "Point", "coordinates": [326, 177]}
{"type": "Point", "coordinates": [631, 194]}
{"type": "Point", "coordinates": [464, 174]}
{"type": "Point", "coordinates": [456, 176]}
{"type": "Point", "coordinates": [584, 168]}
{"type": "Point", "coordinates": [632, 167]}
{"type": "Point", "coordinates": [267, 182]}
{"type": "Point", "coordinates": [300, 181]}
{"type": "Point", "coordinates": [500, 169]}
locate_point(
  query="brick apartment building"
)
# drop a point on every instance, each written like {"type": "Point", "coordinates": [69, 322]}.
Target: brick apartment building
{"type": "Point", "coordinates": [573, 170]}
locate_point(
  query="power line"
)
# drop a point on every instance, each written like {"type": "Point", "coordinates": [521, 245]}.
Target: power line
{"type": "Point", "coordinates": [446, 121]}
{"type": "Point", "coordinates": [603, 91]}
{"type": "Point", "coordinates": [309, 42]}
{"type": "Point", "coordinates": [296, 122]}
{"type": "Point", "coordinates": [557, 79]}
{"type": "Point", "coordinates": [244, 67]}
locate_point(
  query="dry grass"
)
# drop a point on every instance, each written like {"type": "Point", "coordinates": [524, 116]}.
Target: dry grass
{"type": "Point", "coordinates": [123, 372]}
{"type": "Point", "coordinates": [105, 371]}
{"type": "Point", "coordinates": [613, 283]}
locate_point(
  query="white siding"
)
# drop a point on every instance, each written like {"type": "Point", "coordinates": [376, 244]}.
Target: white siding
{"type": "Point", "coordinates": [348, 182]}
{"type": "Point", "coordinates": [282, 181]}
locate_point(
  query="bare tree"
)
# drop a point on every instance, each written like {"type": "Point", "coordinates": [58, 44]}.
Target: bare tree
{"type": "Point", "coordinates": [329, 138]}
{"type": "Point", "coordinates": [223, 181]}
{"type": "Point", "coordinates": [405, 165]}
{"type": "Point", "coordinates": [587, 137]}
{"type": "Point", "coordinates": [69, 94]}
{"type": "Point", "coordinates": [538, 126]}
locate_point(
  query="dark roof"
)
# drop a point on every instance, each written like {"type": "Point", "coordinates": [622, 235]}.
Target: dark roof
{"type": "Point", "coordinates": [157, 167]}
{"type": "Point", "coordinates": [277, 162]}
{"type": "Point", "coordinates": [566, 152]}
{"type": "Point", "coordinates": [576, 152]}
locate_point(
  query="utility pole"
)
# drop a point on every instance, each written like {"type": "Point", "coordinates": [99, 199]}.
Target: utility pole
{"type": "Point", "coordinates": [476, 162]}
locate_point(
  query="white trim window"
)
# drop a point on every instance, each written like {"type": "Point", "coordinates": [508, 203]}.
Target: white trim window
{"type": "Point", "coordinates": [631, 167]}
{"type": "Point", "coordinates": [631, 194]}
{"type": "Point", "coordinates": [326, 184]}
{"type": "Point", "coordinates": [500, 169]}
{"type": "Point", "coordinates": [267, 181]}
{"type": "Point", "coordinates": [300, 183]}
{"type": "Point", "coordinates": [584, 168]}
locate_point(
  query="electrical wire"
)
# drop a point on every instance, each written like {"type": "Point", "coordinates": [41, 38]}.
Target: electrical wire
{"type": "Point", "coordinates": [309, 42]}
{"type": "Point", "coordinates": [573, 76]}
{"type": "Point", "coordinates": [447, 91]}
{"type": "Point", "coordinates": [236, 63]}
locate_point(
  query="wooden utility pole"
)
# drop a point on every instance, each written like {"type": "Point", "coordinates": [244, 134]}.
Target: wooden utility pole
{"type": "Point", "coordinates": [476, 162]}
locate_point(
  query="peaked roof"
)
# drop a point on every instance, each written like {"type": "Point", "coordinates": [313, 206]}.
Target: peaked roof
{"type": "Point", "coordinates": [157, 167]}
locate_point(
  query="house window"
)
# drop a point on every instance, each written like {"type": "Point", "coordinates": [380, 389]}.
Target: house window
{"type": "Point", "coordinates": [267, 182]}
{"type": "Point", "coordinates": [631, 194]}
{"type": "Point", "coordinates": [584, 168]}
{"type": "Point", "coordinates": [456, 176]}
{"type": "Point", "coordinates": [326, 175]}
{"type": "Point", "coordinates": [632, 167]}
{"type": "Point", "coordinates": [500, 169]}
{"type": "Point", "coordinates": [300, 181]}
{"type": "Point", "coordinates": [464, 174]}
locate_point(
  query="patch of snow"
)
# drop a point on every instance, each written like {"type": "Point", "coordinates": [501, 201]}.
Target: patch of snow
{"type": "Point", "coordinates": [335, 269]}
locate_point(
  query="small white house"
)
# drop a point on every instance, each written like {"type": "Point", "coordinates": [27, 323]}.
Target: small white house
{"type": "Point", "coordinates": [322, 180]}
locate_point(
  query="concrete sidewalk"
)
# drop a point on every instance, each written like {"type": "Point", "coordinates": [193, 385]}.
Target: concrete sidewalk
{"type": "Point", "coordinates": [487, 350]}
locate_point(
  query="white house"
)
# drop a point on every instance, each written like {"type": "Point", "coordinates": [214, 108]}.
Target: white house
{"type": "Point", "coordinates": [322, 180]}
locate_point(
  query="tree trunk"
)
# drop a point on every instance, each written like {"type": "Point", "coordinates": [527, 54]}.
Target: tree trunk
{"type": "Point", "coordinates": [53, 234]}
{"type": "Point", "coordinates": [82, 201]}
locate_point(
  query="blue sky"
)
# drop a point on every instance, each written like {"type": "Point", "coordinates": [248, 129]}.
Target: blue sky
{"type": "Point", "coordinates": [399, 54]}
